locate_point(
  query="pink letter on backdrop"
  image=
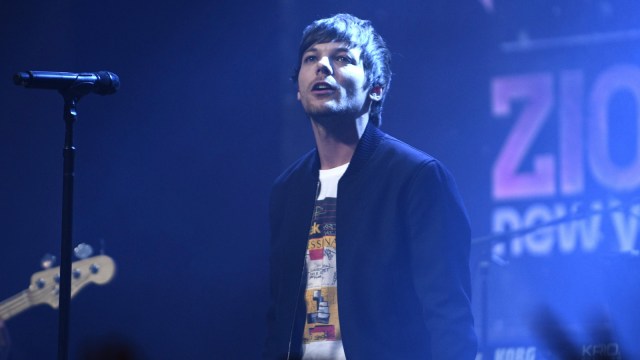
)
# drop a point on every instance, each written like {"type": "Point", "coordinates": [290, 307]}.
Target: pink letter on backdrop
{"type": "Point", "coordinates": [535, 92]}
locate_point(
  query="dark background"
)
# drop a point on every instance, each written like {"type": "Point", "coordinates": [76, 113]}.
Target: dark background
{"type": "Point", "coordinates": [173, 172]}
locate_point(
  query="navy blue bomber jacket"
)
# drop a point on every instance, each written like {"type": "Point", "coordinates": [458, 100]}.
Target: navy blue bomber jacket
{"type": "Point", "coordinates": [402, 256]}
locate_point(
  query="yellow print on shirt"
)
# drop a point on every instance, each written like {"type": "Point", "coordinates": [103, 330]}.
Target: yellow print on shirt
{"type": "Point", "coordinates": [322, 315]}
{"type": "Point", "coordinates": [322, 242]}
{"type": "Point", "coordinates": [315, 229]}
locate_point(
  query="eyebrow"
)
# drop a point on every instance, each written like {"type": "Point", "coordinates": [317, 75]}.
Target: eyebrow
{"type": "Point", "coordinates": [314, 49]}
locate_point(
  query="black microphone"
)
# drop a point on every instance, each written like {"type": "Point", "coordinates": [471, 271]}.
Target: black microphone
{"type": "Point", "coordinates": [101, 82]}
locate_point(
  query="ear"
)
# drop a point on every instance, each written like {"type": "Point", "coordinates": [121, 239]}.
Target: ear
{"type": "Point", "coordinates": [298, 95]}
{"type": "Point", "coordinates": [375, 93]}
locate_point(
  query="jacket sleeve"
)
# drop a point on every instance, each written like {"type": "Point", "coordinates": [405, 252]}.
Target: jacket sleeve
{"type": "Point", "coordinates": [439, 244]}
{"type": "Point", "coordinates": [270, 348]}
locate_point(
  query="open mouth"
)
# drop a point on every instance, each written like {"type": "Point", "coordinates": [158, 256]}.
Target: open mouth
{"type": "Point", "coordinates": [322, 87]}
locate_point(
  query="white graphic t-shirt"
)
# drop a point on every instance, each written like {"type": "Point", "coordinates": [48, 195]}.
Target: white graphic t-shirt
{"type": "Point", "coordinates": [322, 338]}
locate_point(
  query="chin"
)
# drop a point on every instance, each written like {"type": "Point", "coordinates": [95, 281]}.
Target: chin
{"type": "Point", "coordinates": [321, 110]}
{"type": "Point", "coordinates": [324, 113]}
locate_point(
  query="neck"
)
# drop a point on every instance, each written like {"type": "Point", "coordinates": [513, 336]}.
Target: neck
{"type": "Point", "coordinates": [337, 139]}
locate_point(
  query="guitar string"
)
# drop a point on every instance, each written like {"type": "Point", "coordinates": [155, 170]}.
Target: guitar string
{"type": "Point", "coordinates": [18, 301]}
{"type": "Point", "coordinates": [22, 300]}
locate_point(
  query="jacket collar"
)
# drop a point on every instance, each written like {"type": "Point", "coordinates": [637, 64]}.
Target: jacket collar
{"type": "Point", "coordinates": [367, 145]}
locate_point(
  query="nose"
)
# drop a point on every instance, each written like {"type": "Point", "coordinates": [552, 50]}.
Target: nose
{"type": "Point", "coordinates": [324, 66]}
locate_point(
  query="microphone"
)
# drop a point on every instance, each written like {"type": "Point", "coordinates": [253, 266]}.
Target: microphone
{"type": "Point", "coordinates": [101, 82]}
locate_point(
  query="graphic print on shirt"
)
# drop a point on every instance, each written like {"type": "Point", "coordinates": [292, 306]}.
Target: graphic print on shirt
{"type": "Point", "coordinates": [321, 293]}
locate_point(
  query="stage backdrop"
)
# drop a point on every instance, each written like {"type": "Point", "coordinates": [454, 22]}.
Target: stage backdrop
{"type": "Point", "coordinates": [534, 107]}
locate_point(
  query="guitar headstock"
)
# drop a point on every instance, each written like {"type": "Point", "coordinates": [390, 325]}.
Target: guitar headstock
{"type": "Point", "coordinates": [45, 285]}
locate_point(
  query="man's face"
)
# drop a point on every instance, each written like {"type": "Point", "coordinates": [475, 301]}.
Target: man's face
{"type": "Point", "coordinates": [331, 81]}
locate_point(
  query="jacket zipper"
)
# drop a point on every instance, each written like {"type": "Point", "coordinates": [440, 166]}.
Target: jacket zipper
{"type": "Point", "coordinates": [304, 268]}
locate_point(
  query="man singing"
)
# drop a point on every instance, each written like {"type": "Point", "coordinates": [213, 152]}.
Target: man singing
{"type": "Point", "coordinates": [369, 236]}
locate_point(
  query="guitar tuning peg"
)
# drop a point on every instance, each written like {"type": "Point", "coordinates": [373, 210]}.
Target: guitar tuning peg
{"type": "Point", "coordinates": [83, 251]}
{"type": "Point", "coordinates": [47, 261]}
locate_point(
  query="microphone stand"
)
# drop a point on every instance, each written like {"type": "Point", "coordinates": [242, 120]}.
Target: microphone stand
{"type": "Point", "coordinates": [70, 115]}
{"type": "Point", "coordinates": [72, 87]}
